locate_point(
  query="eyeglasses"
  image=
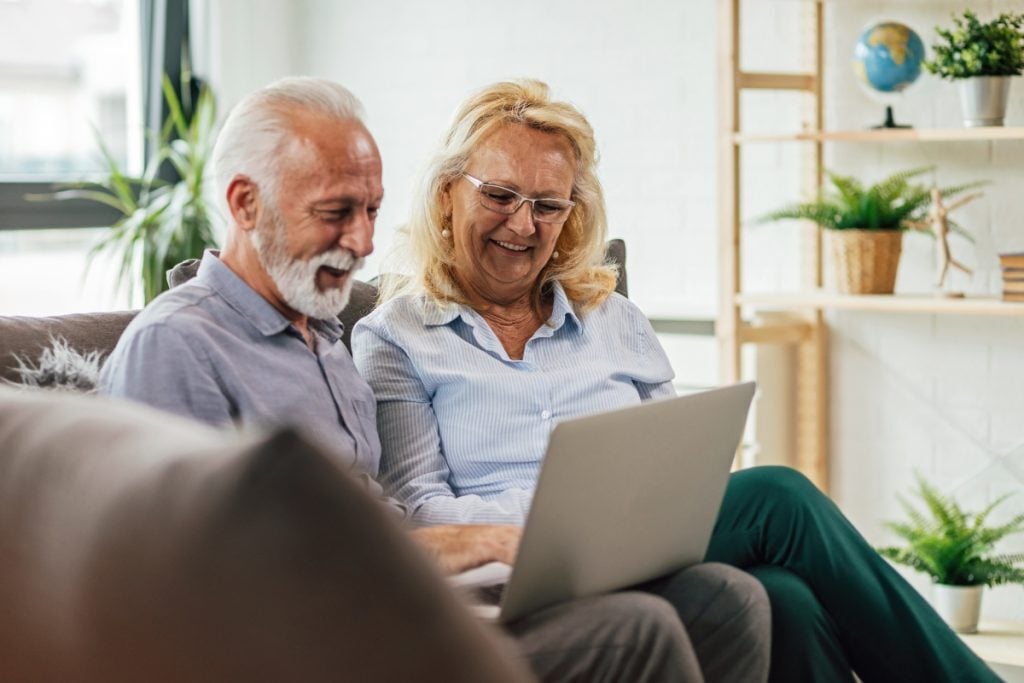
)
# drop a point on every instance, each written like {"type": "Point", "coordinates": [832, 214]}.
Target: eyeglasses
{"type": "Point", "coordinates": [505, 201]}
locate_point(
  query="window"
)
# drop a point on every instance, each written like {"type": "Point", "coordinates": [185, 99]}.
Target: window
{"type": "Point", "coordinates": [70, 75]}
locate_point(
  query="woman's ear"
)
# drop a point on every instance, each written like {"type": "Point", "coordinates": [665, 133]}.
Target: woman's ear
{"type": "Point", "coordinates": [243, 201]}
{"type": "Point", "coordinates": [446, 201]}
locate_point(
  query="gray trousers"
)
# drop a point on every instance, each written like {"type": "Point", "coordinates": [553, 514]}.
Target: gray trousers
{"type": "Point", "coordinates": [710, 622]}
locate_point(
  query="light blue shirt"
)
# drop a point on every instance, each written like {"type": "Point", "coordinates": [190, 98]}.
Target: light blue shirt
{"type": "Point", "coordinates": [463, 427]}
{"type": "Point", "coordinates": [214, 350]}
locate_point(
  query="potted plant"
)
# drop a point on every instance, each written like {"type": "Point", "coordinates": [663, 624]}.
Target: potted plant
{"type": "Point", "coordinates": [163, 223]}
{"type": "Point", "coordinates": [983, 58]}
{"type": "Point", "coordinates": [956, 549]}
{"type": "Point", "coordinates": [865, 225]}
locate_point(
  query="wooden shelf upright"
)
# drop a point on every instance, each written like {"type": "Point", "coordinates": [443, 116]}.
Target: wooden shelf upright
{"type": "Point", "coordinates": [805, 328]}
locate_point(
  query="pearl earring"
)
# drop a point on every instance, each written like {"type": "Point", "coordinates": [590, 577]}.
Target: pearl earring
{"type": "Point", "coordinates": [446, 233]}
{"type": "Point", "coordinates": [554, 255]}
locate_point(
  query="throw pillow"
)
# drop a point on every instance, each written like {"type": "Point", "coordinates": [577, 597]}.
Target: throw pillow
{"type": "Point", "coordinates": [59, 367]}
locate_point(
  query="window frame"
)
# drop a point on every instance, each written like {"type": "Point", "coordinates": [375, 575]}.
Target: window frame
{"type": "Point", "coordinates": [19, 213]}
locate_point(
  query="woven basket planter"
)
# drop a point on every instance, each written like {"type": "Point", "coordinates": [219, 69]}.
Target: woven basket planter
{"type": "Point", "coordinates": [865, 261]}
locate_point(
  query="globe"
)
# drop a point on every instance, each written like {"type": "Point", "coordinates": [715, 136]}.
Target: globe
{"type": "Point", "coordinates": [888, 57]}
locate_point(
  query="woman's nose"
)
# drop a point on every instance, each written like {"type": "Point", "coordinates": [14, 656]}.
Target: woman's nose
{"type": "Point", "coordinates": [521, 222]}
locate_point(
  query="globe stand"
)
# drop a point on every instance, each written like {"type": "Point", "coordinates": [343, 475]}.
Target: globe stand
{"type": "Point", "coordinates": [889, 121]}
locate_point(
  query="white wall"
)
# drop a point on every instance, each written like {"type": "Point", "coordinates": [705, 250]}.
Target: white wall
{"type": "Point", "coordinates": [412, 63]}
{"type": "Point", "coordinates": [241, 45]}
{"type": "Point", "coordinates": [936, 394]}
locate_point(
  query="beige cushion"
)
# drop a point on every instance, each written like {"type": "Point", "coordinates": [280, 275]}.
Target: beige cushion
{"type": "Point", "coordinates": [136, 546]}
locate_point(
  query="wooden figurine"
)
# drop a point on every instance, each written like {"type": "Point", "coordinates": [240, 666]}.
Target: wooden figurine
{"type": "Point", "coordinates": [938, 224]}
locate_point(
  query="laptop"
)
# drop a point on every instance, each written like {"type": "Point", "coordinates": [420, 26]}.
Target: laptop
{"type": "Point", "coordinates": [623, 497]}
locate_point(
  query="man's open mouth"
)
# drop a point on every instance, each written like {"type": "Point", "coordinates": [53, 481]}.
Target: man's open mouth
{"type": "Point", "coordinates": [334, 272]}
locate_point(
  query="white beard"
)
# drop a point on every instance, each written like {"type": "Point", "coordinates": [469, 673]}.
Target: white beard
{"type": "Point", "coordinates": [296, 279]}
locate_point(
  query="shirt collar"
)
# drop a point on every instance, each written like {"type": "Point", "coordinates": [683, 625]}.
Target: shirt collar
{"type": "Point", "coordinates": [436, 313]}
{"type": "Point", "coordinates": [562, 309]}
{"type": "Point", "coordinates": [251, 305]}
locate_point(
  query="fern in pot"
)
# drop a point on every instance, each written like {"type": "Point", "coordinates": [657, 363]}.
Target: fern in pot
{"type": "Point", "coordinates": [865, 223]}
{"type": "Point", "coordinates": [957, 550]}
{"type": "Point", "coordinates": [982, 58]}
{"type": "Point", "coordinates": [162, 223]}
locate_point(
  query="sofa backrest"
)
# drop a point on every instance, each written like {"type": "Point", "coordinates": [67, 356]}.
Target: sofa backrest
{"type": "Point", "coordinates": [23, 337]}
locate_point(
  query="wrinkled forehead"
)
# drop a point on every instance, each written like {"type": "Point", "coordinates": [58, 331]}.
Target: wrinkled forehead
{"type": "Point", "coordinates": [523, 156]}
{"type": "Point", "coordinates": [511, 134]}
{"type": "Point", "coordinates": [323, 138]}
{"type": "Point", "coordinates": [323, 152]}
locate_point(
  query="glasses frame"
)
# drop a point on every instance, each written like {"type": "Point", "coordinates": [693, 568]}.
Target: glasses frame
{"type": "Point", "coordinates": [478, 184]}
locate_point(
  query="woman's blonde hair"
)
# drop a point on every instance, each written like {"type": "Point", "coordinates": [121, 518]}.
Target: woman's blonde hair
{"type": "Point", "coordinates": [580, 267]}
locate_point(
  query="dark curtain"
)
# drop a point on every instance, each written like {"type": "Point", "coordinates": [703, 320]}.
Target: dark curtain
{"type": "Point", "coordinates": [165, 50]}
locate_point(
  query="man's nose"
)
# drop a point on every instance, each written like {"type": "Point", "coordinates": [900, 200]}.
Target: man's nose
{"type": "Point", "coordinates": [358, 238]}
{"type": "Point", "coordinates": [521, 222]}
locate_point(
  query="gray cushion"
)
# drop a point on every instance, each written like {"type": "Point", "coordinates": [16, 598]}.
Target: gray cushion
{"type": "Point", "coordinates": [135, 546]}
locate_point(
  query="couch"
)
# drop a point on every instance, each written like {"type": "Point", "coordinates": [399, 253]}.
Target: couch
{"type": "Point", "coordinates": [136, 546]}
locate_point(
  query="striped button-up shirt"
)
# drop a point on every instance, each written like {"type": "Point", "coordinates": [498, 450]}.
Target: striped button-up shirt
{"type": "Point", "coordinates": [463, 427]}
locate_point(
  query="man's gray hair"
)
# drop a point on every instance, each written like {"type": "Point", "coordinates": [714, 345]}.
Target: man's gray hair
{"type": "Point", "coordinates": [260, 126]}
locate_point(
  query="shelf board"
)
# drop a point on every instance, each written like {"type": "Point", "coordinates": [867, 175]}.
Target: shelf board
{"type": "Point", "coordinates": [999, 642]}
{"type": "Point", "coordinates": [894, 303]}
{"type": "Point", "coordinates": [748, 80]}
{"type": "Point", "coordinates": [888, 135]}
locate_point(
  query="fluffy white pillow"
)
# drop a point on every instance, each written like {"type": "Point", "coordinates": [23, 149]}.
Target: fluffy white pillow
{"type": "Point", "coordinates": [60, 367]}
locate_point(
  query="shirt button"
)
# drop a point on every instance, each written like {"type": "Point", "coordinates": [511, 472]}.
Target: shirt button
{"type": "Point", "coordinates": [545, 415]}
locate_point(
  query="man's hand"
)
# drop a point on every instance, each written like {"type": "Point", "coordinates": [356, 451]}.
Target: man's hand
{"type": "Point", "coordinates": [458, 547]}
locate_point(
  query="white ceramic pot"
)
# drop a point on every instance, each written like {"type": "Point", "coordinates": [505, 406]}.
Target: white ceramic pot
{"type": "Point", "coordinates": [959, 606]}
{"type": "Point", "coordinates": [983, 100]}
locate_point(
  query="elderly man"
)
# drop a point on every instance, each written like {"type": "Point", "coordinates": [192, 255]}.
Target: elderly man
{"type": "Point", "coordinates": [253, 340]}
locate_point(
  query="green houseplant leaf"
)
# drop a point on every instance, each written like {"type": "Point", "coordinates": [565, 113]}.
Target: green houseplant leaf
{"type": "Point", "coordinates": [953, 546]}
{"type": "Point", "coordinates": [162, 223]}
{"type": "Point", "coordinates": [890, 204]}
{"type": "Point", "coordinates": [972, 48]}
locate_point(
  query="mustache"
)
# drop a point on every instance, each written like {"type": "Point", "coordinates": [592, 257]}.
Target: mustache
{"type": "Point", "coordinates": [340, 259]}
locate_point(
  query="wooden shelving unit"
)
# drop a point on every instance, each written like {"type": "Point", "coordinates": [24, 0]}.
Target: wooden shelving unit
{"type": "Point", "coordinates": [803, 325]}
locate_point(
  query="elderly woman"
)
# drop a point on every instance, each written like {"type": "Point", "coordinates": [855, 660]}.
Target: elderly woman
{"type": "Point", "coordinates": [510, 323]}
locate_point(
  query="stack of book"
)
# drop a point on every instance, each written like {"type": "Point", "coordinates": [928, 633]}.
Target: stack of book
{"type": "Point", "coordinates": [1012, 266]}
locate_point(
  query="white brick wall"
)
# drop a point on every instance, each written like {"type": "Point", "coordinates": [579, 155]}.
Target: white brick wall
{"type": "Point", "coordinates": [940, 395]}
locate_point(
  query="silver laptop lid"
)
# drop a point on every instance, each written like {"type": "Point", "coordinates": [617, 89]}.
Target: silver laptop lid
{"type": "Point", "coordinates": [626, 496]}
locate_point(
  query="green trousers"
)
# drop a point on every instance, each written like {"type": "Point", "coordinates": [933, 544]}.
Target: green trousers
{"type": "Point", "coordinates": [836, 604]}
